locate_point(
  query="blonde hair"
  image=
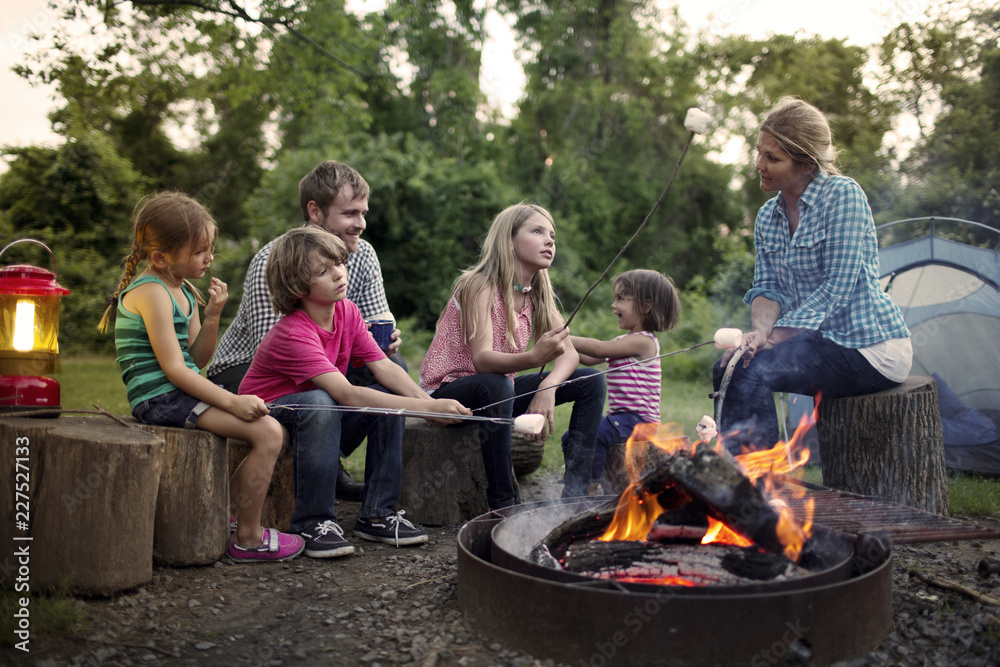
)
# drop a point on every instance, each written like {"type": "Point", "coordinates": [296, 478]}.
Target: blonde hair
{"type": "Point", "coordinates": [497, 267]}
{"type": "Point", "coordinates": [165, 222]}
{"type": "Point", "coordinates": [323, 184]}
{"type": "Point", "coordinates": [803, 132]}
{"type": "Point", "coordinates": [290, 264]}
{"type": "Point", "coordinates": [652, 289]}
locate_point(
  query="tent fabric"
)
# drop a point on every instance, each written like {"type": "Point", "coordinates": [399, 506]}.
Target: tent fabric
{"type": "Point", "coordinates": [949, 292]}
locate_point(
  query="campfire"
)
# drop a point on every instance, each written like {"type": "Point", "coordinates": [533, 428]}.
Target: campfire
{"type": "Point", "coordinates": [695, 516]}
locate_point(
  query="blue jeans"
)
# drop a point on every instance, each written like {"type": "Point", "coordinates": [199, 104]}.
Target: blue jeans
{"type": "Point", "coordinates": [587, 395]}
{"type": "Point", "coordinates": [475, 391]}
{"type": "Point", "coordinates": [807, 364]}
{"type": "Point", "coordinates": [614, 430]}
{"type": "Point", "coordinates": [319, 436]}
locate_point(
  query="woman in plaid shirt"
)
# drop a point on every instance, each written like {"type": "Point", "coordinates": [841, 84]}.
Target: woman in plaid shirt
{"type": "Point", "coordinates": [820, 322]}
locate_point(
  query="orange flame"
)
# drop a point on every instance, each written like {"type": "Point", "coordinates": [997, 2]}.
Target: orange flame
{"type": "Point", "coordinates": [636, 512]}
{"type": "Point", "coordinates": [634, 516]}
{"type": "Point", "coordinates": [720, 533]}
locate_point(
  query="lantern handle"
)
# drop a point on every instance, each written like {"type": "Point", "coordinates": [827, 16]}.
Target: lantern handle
{"type": "Point", "coordinates": [36, 242]}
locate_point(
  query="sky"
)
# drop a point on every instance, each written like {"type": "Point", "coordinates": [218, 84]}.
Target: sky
{"type": "Point", "coordinates": [23, 119]}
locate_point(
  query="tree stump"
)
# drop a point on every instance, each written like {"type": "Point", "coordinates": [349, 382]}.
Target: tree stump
{"type": "Point", "coordinates": [526, 454]}
{"type": "Point", "coordinates": [444, 482]}
{"type": "Point", "coordinates": [887, 444]}
{"type": "Point", "coordinates": [279, 504]}
{"type": "Point", "coordinates": [91, 503]}
{"type": "Point", "coordinates": [192, 518]}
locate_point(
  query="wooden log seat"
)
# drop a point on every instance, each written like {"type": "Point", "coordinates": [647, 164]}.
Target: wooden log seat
{"type": "Point", "coordinates": [90, 503]}
{"type": "Point", "coordinates": [444, 482]}
{"type": "Point", "coordinates": [192, 517]}
{"type": "Point", "coordinates": [888, 444]}
{"type": "Point", "coordinates": [526, 453]}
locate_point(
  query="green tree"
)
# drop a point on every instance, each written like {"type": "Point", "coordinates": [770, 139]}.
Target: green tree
{"type": "Point", "coordinates": [748, 76]}
{"type": "Point", "coordinates": [77, 199]}
{"type": "Point", "coordinates": [599, 133]}
{"type": "Point", "coordinates": [946, 73]}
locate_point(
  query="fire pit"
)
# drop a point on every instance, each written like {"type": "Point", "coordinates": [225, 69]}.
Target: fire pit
{"type": "Point", "coordinates": [841, 610]}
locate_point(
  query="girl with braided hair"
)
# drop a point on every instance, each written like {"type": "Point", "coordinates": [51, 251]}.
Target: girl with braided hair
{"type": "Point", "coordinates": [162, 343]}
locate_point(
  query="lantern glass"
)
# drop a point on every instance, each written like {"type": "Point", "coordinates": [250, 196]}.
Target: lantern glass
{"type": "Point", "coordinates": [29, 334]}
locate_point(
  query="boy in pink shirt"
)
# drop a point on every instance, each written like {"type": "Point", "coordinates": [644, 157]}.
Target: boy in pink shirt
{"type": "Point", "coordinates": [301, 362]}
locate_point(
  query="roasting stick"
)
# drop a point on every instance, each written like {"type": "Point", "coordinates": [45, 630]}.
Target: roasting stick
{"type": "Point", "coordinates": [527, 424]}
{"type": "Point", "coordinates": [721, 341]}
{"type": "Point", "coordinates": [697, 122]}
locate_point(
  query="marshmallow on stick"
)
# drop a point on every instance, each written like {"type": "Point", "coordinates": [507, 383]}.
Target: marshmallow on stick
{"type": "Point", "coordinates": [706, 429]}
{"type": "Point", "coordinates": [728, 339]}
{"type": "Point", "coordinates": [697, 121]}
{"type": "Point", "coordinates": [529, 424]}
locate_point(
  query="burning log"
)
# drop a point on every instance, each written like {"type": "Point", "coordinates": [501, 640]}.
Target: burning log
{"type": "Point", "coordinates": [729, 495]}
{"type": "Point", "coordinates": [676, 504]}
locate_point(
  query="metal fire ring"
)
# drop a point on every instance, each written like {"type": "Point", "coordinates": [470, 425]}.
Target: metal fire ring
{"type": "Point", "coordinates": [587, 624]}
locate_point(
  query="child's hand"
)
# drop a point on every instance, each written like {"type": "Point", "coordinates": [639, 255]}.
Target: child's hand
{"type": "Point", "coordinates": [551, 345]}
{"type": "Point", "coordinates": [544, 403]}
{"type": "Point", "coordinates": [218, 294]}
{"type": "Point", "coordinates": [248, 407]}
{"type": "Point", "coordinates": [447, 406]}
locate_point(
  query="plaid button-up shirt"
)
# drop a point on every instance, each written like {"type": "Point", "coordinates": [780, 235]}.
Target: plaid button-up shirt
{"type": "Point", "coordinates": [825, 277]}
{"type": "Point", "coordinates": [256, 316]}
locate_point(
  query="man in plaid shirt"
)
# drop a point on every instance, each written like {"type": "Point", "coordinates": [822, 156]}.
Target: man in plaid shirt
{"type": "Point", "coordinates": [334, 197]}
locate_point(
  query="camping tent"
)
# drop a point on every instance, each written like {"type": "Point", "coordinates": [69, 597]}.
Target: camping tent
{"type": "Point", "coordinates": [945, 276]}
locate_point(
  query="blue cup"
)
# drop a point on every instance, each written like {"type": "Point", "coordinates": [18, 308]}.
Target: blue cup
{"type": "Point", "coordinates": [382, 332]}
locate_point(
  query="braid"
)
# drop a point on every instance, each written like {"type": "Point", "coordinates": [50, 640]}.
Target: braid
{"type": "Point", "coordinates": [131, 267]}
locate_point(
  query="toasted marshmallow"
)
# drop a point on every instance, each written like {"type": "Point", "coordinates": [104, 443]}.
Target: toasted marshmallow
{"type": "Point", "coordinates": [529, 424]}
{"type": "Point", "coordinates": [697, 121]}
{"type": "Point", "coordinates": [728, 339]}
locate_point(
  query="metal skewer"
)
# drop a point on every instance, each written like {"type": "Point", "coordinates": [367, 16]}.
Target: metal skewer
{"type": "Point", "coordinates": [397, 412]}
{"type": "Point", "coordinates": [592, 375]}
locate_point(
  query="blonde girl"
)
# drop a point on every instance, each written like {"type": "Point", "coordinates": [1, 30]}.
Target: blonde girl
{"type": "Point", "coordinates": [497, 309]}
{"type": "Point", "coordinates": [645, 302]}
{"type": "Point", "coordinates": [162, 344]}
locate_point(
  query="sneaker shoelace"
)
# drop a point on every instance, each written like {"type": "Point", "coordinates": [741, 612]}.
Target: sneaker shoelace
{"type": "Point", "coordinates": [328, 527]}
{"type": "Point", "coordinates": [395, 520]}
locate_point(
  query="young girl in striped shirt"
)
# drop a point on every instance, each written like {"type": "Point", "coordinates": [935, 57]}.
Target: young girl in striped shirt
{"type": "Point", "coordinates": [645, 302]}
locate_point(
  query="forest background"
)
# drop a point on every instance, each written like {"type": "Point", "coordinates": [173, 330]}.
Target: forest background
{"type": "Point", "coordinates": [234, 102]}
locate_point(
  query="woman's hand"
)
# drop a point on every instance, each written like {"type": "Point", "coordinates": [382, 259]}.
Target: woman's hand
{"type": "Point", "coordinates": [551, 345]}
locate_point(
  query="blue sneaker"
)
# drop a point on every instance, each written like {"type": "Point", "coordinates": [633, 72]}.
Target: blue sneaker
{"type": "Point", "coordinates": [391, 529]}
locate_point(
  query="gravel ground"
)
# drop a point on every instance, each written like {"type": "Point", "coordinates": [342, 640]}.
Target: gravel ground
{"type": "Point", "coordinates": [387, 606]}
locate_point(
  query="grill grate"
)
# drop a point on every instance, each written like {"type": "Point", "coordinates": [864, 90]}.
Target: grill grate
{"type": "Point", "coordinates": [852, 514]}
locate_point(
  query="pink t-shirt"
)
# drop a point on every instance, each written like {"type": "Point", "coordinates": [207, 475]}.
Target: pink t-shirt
{"type": "Point", "coordinates": [296, 350]}
{"type": "Point", "coordinates": [450, 357]}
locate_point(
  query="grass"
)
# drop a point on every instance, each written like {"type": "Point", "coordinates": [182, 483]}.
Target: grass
{"type": "Point", "coordinates": [86, 380]}
{"type": "Point", "coordinates": [54, 615]}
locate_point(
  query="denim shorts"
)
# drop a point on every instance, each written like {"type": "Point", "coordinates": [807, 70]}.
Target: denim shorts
{"type": "Point", "coordinates": [174, 408]}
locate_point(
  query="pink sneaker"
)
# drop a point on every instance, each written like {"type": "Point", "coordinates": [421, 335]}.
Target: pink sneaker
{"type": "Point", "coordinates": [274, 546]}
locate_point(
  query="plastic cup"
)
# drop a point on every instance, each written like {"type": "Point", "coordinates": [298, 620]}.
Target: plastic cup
{"type": "Point", "coordinates": [382, 331]}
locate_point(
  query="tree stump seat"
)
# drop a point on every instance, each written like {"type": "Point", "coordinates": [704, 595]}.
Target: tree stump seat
{"type": "Point", "coordinates": [444, 482]}
{"type": "Point", "coordinates": [888, 444]}
{"type": "Point", "coordinates": [89, 506]}
{"type": "Point", "coordinates": [192, 501]}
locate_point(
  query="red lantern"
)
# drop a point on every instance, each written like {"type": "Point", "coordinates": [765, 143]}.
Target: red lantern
{"type": "Point", "coordinates": [29, 335]}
